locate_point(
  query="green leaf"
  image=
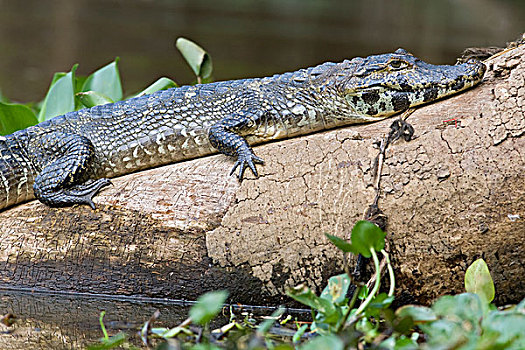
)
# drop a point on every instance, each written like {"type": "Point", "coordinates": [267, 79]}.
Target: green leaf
{"type": "Point", "coordinates": [282, 347]}
{"type": "Point", "coordinates": [196, 57]}
{"type": "Point", "coordinates": [419, 314]}
{"type": "Point", "coordinates": [58, 75]}
{"type": "Point", "coordinates": [328, 342]}
{"type": "Point", "coordinates": [300, 332]}
{"type": "Point", "coordinates": [92, 98]}
{"type": "Point", "coordinates": [508, 326]}
{"type": "Point", "coordinates": [445, 334]}
{"type": "Point", "coordinates": [363, 293]}
{"type": "Point", "coordinates": [161, 84]}
{"type": "Point", "coordinates": [15, 117]}
{"type": "Point", "coordinates": [336, 289]}
{"type": "Point", "coordinates": [105, 81]}
{"type": "Point", "coordinates": [367, 236]}
{"type": "Point", "coordinates": [306, 296]}
{"type": "Point", "coordinates": [110, 343]}
{"type": "Point", "coordinates": [403, 325]}
{"type": "Point", "coordinates": [380, 302]}
{"type": "Point", "coordinates": [479, 281]}
{"type": "Point", "coordinates": [79, 83]}
{"type": "Point", "coordinates": [463, 308]}
{"type": "Point", "coordinates": [401, 343]}
{"type": "Point", "coordinates": [265, 326]}
{"type": "Point", "coordinates": [208, 306]}
{"type": "Point", "coordinates": [60, 98]}
{"type": "Point", "coordinates": [521, 306]}
{"type": "Point", "coordinates": [342, 244]}
{"type": "Point", "coordinates": [364, 325]}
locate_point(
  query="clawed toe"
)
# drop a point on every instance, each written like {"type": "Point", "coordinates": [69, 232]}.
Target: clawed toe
{"type": "Point", "coordinates": [246, 159]}
{"type": "Point", "coordinates": [84, 193]}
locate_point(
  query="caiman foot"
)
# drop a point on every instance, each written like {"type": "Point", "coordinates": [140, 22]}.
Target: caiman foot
{"type": "Point", "coordinates": [246, 157]}
{"type": "Point", "coordinates": [225, 137]}
{"type": "Point", "coordinates": [65, 178]}
{"type": "Point", "coordinates": [78, 194]}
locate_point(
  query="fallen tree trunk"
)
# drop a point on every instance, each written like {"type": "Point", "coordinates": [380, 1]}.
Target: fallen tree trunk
{"type": "Point", "coordinates": [451, 195]}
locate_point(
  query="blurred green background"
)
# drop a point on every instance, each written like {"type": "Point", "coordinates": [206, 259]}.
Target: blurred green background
{"type": "Point", "coordinates": [246, 38]}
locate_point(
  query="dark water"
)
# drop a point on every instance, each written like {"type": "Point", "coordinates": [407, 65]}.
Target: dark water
{"type": "Point", "coordinates": [246, 38]}
{"type": "Point", "coordinates": [55, 321]}
{"type": "Point", "coordinates": [61, 321]}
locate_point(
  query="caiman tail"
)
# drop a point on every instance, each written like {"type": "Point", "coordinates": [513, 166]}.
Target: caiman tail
{"type": "Point", "coordinates": [16, 171]}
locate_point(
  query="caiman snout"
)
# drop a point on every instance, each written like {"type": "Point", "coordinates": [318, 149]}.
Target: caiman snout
{"type": "Point", "coordinates": [474, 71]}
{"type": "Point", "coordinates": [391, 83]}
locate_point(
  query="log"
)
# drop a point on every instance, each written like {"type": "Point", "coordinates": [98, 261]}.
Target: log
{"type": "Point", "coordinates": [452, 195]}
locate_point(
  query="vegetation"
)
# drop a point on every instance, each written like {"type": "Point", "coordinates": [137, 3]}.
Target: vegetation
{"type": "Point", "coordinates": [70, 92]}
{"type": "Point", "coordinates": [342, 317]}
{"type": "Point", "coordinates": [361, 320]}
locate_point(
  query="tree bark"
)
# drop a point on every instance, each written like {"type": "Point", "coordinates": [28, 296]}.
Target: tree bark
{"type": "Point", "coordinates": [451, 195]}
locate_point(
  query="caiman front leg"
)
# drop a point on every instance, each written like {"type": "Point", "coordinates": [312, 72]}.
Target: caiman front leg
{"type": "Point", "coordinates": [65, 161]}
{"type": "Point", "coordinates": [225, 137]}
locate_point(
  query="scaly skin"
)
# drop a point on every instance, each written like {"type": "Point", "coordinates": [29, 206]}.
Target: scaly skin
{"type": "Point", "coordinates": [68, 159]}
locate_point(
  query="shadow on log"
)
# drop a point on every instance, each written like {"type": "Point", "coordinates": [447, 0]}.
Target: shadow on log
{"type": "Point", "coordinates": [451, 196]}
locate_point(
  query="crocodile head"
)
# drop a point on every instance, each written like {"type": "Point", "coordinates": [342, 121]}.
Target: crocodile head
{"type": "Point", "coordinates": [381, 85]}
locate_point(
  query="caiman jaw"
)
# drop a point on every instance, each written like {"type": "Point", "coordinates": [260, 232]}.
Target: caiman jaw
{"type": "Point", "coordinates": [384, 90]}
{"type": "Point", "coordinates": [458, 78]}
{"type": "Point", "coordinates": [454, 79]}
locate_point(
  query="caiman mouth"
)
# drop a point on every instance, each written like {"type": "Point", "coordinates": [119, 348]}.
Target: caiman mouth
{"type": "Point", "coordinates": [454, 78]}
{"type": "Point", "coordinates": [474, 71]}
{"type": "Point", "coordinates": [421, 84]}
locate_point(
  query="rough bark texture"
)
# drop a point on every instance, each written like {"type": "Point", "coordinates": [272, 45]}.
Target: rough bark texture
{"type": "Point", "coordinates": [180, 230]}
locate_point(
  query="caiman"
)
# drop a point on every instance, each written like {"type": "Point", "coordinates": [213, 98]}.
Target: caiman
{"type": "Point", "coordinates": [66, 160]}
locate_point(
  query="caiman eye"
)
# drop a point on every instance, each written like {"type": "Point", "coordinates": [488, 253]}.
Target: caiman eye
{"type": "Point", "coordinates": [397, 64]}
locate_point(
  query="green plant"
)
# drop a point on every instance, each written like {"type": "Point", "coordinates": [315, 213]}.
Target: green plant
{"type": "Point", "coordinates": [468, 321]}
{"type": "Point", "coordinates": [364, 320]}
{"type": "Point", "coordinates": [69, 92]}
{"type": "Point", "coordinates": [334, 313]}
{"type": "Point", "coordinates": [205, 309]}
{"type": "Point", "coordinates": [465, 321]}
{"type": "Point", "coordinates": [108, 342]}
